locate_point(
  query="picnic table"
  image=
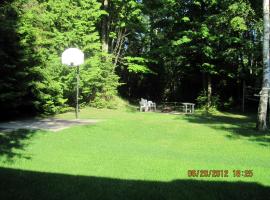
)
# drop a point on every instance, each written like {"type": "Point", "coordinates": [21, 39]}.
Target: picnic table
{"type": "Point", "coordinates": [186, 107]}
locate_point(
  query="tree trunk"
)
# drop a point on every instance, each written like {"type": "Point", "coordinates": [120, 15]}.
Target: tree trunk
{"type": "Point", "coordinates": [119, 45]}
{"type": "Point", "coordinates": [105, 28]}
{"type": "Point", "coordinates": [262, 110]}
{"type": "Point", "coordinates": [204, 81]}
{"type": "Point", "coordinates": [243, 95]}
{"type": "Point", "coordinates": [209, 91]}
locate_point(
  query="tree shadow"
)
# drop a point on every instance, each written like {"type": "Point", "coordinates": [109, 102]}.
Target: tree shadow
{"type": "Point", "coordinates": [237, 127]}
{"type": "Point", "coordinates": [28, 185]}
{"type": "Point", "coordinates": [262, 140]}
{"type": "Point", "coordinates": [13, 142]}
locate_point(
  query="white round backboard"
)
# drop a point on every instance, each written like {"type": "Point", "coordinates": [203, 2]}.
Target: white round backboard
{"type": "Point", "coordinates": [72, 57]}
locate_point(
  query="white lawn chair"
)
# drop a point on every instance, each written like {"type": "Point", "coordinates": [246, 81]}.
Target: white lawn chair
{"type": "Point", "coordinates": [143, 105]}
{"type": "Point", "coordinates": [152, 106]}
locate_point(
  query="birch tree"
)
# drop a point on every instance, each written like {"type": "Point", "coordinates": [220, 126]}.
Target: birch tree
{"type": "Point", "coordinates": [262, 110]}
{"type": "Point", "coordinates": [105, 27]}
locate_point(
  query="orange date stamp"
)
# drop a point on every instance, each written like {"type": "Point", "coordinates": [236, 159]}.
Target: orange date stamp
{"type": "Point", "coordinates": [220, 173]}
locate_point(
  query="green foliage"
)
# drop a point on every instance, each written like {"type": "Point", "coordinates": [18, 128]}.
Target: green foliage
{"type": "Point", "coordinates": [164, 44]}
{"type": "Point", "coordinates": [137, 64]}
{"type": "Point", "coordinates": [187, 37]}
{"type": "Point", "coordinates": [54, 26]}
{"type": "Point", "coordinates": [238, 24]}
{"type": "Point", "coordinates": [202, 99]}
{"type": "Point", "coordinates": [202, 102]}
{"type": "Point", "coordinates": [14, 90]}
{"type": "Point", "coordinates": [209, 68]}
{"type": "Point", "coordinates": [45, 29]}
{"type": "Point", "coordinates": [185, 19]}
{"type": "Point", "coordinates": [183, 40]}
{"type": "Point", "coordinates": [99, 84]}
{"type": "Point", "coordinates": [204, 31]}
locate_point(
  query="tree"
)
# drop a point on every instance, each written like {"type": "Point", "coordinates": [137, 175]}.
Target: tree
{"type": "Point", "coordinates": [35, 34]}
{"type": "Point", "coordinates": [105, 26]}
{"type": "Point", "coordinates": [264, 94]}
{"type": "Point", "coordinates": [158, 48]}
{"type": "Point", "coordinates": [15, 98]}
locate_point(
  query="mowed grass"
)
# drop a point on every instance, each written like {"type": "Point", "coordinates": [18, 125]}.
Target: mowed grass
{"type": "Point", "coordinates": [143, 154]}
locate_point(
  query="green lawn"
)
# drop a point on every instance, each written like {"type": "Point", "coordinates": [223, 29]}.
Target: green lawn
{"type": "Point", "coordinates": [132, 155]}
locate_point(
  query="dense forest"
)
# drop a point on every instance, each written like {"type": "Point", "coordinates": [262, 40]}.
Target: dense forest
{"type": "Point", "coordinates": [202, 51]}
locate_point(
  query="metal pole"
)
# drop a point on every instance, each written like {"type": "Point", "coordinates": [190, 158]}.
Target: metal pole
{"type": "Point", "coordinates": [244, 95]}
{"type": "Point", "coordinates": [77, 95]}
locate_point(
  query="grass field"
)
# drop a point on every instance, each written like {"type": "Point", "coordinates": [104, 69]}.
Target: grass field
{"type": "Point", "coordinates": [132, 155]}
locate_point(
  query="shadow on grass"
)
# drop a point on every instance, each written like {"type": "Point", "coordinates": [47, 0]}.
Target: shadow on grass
{"type": "Point", "coordinates": [12, 141]}
{"type": "Point", "coordinates": [20, 185]}
{"type": "Point", "coordinates": [238, 127]}
{"type": "Point", "coordinates": [262, 140]}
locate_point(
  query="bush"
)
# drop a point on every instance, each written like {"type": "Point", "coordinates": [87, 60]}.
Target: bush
{"type": "Point", "coordinates": [202, 101]}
